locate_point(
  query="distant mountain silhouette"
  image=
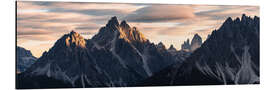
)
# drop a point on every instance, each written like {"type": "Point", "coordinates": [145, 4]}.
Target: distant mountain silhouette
{"type": "Point", "coordinates": [195, 43]}
{"type": "Point", "coordinates": [24, 59]}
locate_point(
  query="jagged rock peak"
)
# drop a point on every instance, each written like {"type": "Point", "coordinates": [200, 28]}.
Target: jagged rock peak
{"type": "Point", "coordinates": [23, 52]}
{"type": "Point", "coordinates": [186, 46]}
{"type": "Point", "coordinates": [74, 39]}
{"type": "Point", "coordinates": [72, 32]}
{"type": "Point", "coordinates": [196, 42]}
{"type": "Point", "coordinates": [172, 48]}
{"type": "Point", "coordinates": [124, 24]}
{"type": "Point", "coordinates": [228, 20]}
{"type": "Point", "coordinates": [123, 31]}
{"type": "Point", "coordinates": [187, 41]}
{"type": "Point", "coordinates": [161, 45]}
{"type": "Point", "coordinates": [244, 17]}
{"type": "Point", "coordinates": [113, 22]}
{"type": "Point", "coordinates": [245, 20]}
{"type": "Point", "coordinates": [137, 35]}
{"type": "Point", "coordinates": [125, 27]}
{"type": "Point", "coordinates": [196, 37]}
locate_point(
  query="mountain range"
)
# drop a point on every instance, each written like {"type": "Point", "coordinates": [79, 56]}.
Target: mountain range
{"type": "Point", "coordinates": [119, 56]}
{"type": "Point", "coordinates": [229, 56]}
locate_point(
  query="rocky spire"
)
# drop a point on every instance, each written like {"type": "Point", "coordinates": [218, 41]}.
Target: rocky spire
{"type": "Point", "coordinates": [113, 23]}
{"type": "Point", "coordinates": [161, 45]}
{"type": "Point", "coordinates": [122, 31]}
{"type": "Point", "coordinates": [124, 25]}
{"type": "Point", "coordinates": [72, 39]}
{"type": "Point", "coordinates": [244, 17]}
{"type": "Point", "coordinates": [172, 49]}
{"type": "Point", "coordinates": [186, 46]}
{"type": "Point", "coordinates": [136, 35]}
{"type": "Point", "coordinates": [196, 42]}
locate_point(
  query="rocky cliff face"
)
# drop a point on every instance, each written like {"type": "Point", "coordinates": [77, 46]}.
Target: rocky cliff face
{"type": "Point", "coordinates": [24, 59]}
{"type": "Point", "coordinates": [229, 56]}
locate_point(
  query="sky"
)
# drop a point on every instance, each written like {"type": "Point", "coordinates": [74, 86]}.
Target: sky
{"type": "Point", "coordinates": [40, 24]}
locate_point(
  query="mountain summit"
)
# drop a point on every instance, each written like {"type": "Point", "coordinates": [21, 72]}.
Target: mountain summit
{"type": "Point", "coordinates": [196, 42]}
{"type": "Point", "coordinates": [122, 31]}
{"type": "Point", "coordinates": [74, 39]}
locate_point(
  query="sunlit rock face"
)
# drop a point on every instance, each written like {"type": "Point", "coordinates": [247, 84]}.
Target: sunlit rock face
{"type": "Point", "coordinates": [229, 56]}
{"type": "Point", "coordinates": [73, 39]}
{"type": "Point", "coordinates": [121, 31]}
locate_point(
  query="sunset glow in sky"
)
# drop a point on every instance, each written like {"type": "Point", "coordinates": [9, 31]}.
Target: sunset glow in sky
{"type": "Point", "coordinates": [40, 24]}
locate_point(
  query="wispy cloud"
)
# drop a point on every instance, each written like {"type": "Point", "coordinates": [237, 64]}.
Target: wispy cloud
{"type": "Point", "coordinates": [158, 13]}
{"type": "Point", "coordinates": [40, 24]}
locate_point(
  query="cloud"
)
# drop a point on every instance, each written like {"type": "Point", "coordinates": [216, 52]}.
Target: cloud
{"type": "Point", "coordinates": [91, 6]}
{"type": "Point", "coordinates": [44, 37]}
{"type": "Point", "coordinates": [55, 17]}
{"type": "Point", "coordinates": [95, 12]}
{"type": "Point", "coordinates": [43, 18]}
{"type": "Point", "coordinates": [82, 8]}
{"type": "Point", "coordinates": [157, 13]}
{"type": "Point", "coordinates": [28, 6]}
{"type": "Point", "coordinates": [32, 32]}
{"type": "Point", "coordinates": [222, 12]}
{"type": "Point", "coordinates": [40, 24]}
{"type": "Point", "coordinates": [88, 26]}
{"type": "Point", "coordinates": [57, 23]}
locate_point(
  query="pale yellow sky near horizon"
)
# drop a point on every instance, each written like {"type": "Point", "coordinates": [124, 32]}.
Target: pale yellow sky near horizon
{"type": "Point", "coordinates": [40, 24]}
